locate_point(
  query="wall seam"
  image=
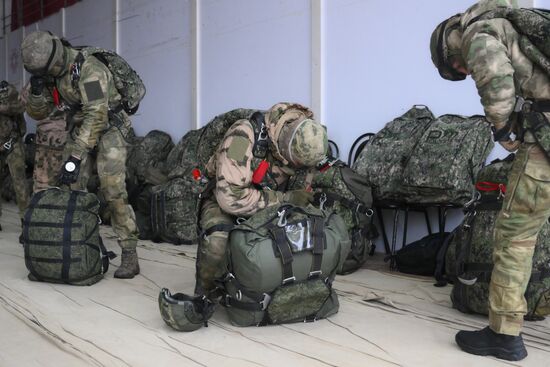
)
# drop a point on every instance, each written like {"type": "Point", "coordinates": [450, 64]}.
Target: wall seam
{"type": "Point", "coordinates": [196, 69]}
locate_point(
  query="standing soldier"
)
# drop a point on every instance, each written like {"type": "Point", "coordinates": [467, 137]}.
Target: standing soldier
{"type": "Point", "coordinates": [12, 129]}
{"type": "Point", "coordinates": [247, 183]}
{"type": "Point", "coordinates": [84, 86]}
{"type": "Point", "coordinates": [489, 51]}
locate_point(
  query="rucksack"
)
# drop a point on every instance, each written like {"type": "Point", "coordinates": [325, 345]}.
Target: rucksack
{"type": "Point", "coordinates": [442, 167]}
{"type": "Point", "coordinates": [469, 257]}
{"type": "Point", "coordinates": [175, 204]}
{"type": "Point", "coordinates": [384, 158]}
{"type": "Point", "coordinates": [338, 187]}
{"type": "Point", "coordinates": [420, 257]}
{"type": "Point", "coordinates": [281, 264]}
{"type": "Point", "coordinates": [61, 238]}
{"type": "Point", "coordinates": [127, 81]}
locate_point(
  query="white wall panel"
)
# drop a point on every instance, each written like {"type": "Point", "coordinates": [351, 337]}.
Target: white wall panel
{"type": "Point", "coordinates": [253, 54]}
{"type": "Point", "coordinates": [14, 65]}
{"type": "Point", "coordinates": [91, 22]}
{"type": "Point", "coordinates": [155, 38]}
{"type": "Point", "coordinates": [53, 23]}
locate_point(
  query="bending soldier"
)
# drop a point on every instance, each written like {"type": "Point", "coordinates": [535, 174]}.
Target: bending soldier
{"type": "Point", "coordinates": [247, 182]}
{"type": "Point", "coordinates": [12, 129]}
{"type": "Point", "coordinates": [84, 87]}
{"type": "Point", "coordinates": [489, 51]}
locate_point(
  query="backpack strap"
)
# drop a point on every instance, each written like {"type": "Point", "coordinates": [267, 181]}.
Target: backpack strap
{"type": "Point", "coordinates": [318, 238]}
{"type": "Point", "coordinates": [261, 141]}
{"type": "Point", "coordinates": [105, 256]}
{"type": "Point", "coordinates": [440, 277]}
{"type": "Point", "coordinates": [287, 258]}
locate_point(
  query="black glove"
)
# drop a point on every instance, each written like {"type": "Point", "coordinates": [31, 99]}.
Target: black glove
{"type": "Point", "coordinates": [37, 85]}
{"type": "Point", "coordinates": [70, 171]}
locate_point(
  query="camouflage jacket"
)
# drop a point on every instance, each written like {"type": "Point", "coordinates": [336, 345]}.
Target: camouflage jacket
{"type": "Point", "coordinates": [500, 70]}
{"type": "Point", "coordinates": [94, 94]}
{"type": "Point", "coordinates": [12, 122]}
{"type": "Point", "coordinates": [233, 166]}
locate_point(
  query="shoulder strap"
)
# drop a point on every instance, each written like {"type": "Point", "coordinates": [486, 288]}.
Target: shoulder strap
{"type": "Point", "coordinates": [261, 141]}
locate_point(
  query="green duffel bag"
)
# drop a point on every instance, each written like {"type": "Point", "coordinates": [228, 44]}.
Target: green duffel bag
{"type": "Point", "coordinates": [282, 262]}
{"type": "Point", "coordinates": [61, 238]}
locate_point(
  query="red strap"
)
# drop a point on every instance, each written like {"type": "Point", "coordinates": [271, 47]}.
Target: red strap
{"type": "Point", "coordinates": [259, 173]}
{"type": "Point", "coordinates": [56, 99]}
{"type": "Point", "coordinates": [490, 186]}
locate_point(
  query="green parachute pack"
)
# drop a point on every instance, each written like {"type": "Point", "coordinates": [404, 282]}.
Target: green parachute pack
{"type": "Point", "coordinates": [281, 265]}
{"type": "Point", "coordinates": [175, 204]}
{"type": "Point", "coordinates": [420, 159]}
{"type": "Point", "coordinates": [533, 26]}
{"type": "Point", "coordinates": [61, 238]}
{"type": "Point", "coordinates": [468, 259]}
{"type": "Point", "coordinates": [127, 81]}
{"type": "Point", "coordinates": [338, 187]}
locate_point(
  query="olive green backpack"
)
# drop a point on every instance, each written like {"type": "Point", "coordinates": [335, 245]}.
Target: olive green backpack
{"type": "Point", "coordinates": [282, 262]}
{"type": "Point", "coordinates": [61, 238]}
{"type": "Point", "coordinates": [338, 187]}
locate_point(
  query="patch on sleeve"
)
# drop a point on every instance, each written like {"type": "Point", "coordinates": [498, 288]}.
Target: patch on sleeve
{"type": "Point", "coordinates": [237, 149]}
{"type": "Point", "coordinates": [93, 91]}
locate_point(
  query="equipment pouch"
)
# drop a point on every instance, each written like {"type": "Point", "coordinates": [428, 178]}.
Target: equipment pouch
{"type": "Point", "coordinates": [298, 301]}
{"type": "Point", "coordinates": [538, 124]}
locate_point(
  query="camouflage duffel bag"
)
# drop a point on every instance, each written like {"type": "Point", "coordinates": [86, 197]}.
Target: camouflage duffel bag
{"type": "Point", "coordinates": [469, 258]}
{"type": "Point", "coordinates": [282, 262]}
{"type": "Point", "coordinates": [175, 210]}
{"type": "Point", "coordinates": [61, 238]}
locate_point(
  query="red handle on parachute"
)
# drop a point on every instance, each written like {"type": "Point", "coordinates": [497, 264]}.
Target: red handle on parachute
{"type": "Point", "coordinates": [487, 186]}
{"type": "Point", "coordinates": [260, 172]}
{"type": "Point", "coordinates": [56, 99]}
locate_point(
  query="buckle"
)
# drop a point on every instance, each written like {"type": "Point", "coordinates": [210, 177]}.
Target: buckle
{"type": "Point", "coordinates": [265, 301]}
{"type": "Point", "coordinates": [282, 218]}
{"type": "Point", "coordinates": [289, 280]}
{"type": "Point", "coordinates": [7, 145]}
{"type": "Point", "coordinates": [322, 201]}
{"type": "Point", "coordinates": [315, 273]}
{"type": "Point", "coordinates": [239, 295]}
{"type": "Point", "coordinates": [467, 281]}
{"type": "Point", "coordinates": [523, 105]}
{"type": "Point", "coordinates": [367, 211]}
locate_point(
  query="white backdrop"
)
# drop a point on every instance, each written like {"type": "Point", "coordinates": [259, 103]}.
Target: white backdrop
{"type": "Point", "coordinates": [358, 63]}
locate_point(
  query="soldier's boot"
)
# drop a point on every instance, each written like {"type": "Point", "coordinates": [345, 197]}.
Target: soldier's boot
{"type": "Point", "coordinates": [486, 342]}
{"type": "Point", "coordinates": [129, 266]}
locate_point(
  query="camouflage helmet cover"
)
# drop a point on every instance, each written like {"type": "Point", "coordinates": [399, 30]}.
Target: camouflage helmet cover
{"type": "Point", "coordinates": [296, 138]}
{"type": "Point", "coordinates": [41, 51]}
{"type": "Point", "coordinates": [184, 313]}
{"type": "Point", "coordinates": [442, 50]}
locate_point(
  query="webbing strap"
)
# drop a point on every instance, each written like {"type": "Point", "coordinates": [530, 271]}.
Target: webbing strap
{"type": "Point", "coordinates": [67, 229]}
{"type": "Point", "coordinates": [318, 238]}
{"type": "Point", "coordinates": [105, 256]}
{"type": "Point", "coordinates": [217, 228]}
{"type": "Point", "coordinates": [286, 254]}
{"type": "Point", "coordinates": [540, 105]}
{"type": "Point", "coordinates": [26, 245]}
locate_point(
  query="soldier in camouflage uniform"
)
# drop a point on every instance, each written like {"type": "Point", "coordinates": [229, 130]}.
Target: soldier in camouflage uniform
{"type": "Point", "coordinates": [296, 141]}
{"type": "Point", "coordinates": [12, 129]}
{"type": "Point", "coordinates": [489, 51]}
{"type": "Point", "coordinates": [85, 88]}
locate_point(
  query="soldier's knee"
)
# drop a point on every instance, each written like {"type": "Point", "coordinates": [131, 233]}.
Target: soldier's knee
{"type": "Point", "coordinates": [113, 187]}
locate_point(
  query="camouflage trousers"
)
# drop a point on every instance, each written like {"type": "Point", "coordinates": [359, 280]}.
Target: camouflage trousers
{"type": "Point", "coordinates": [211, 254]}
{"type": "Point", "coordinates": [525, 209]}
{"type": "Point", "coordinates": [16, 164]}
{"type": "Point", "coordinates": [111, 169]}
{"type": "Point", "coordinates": [50, 141]}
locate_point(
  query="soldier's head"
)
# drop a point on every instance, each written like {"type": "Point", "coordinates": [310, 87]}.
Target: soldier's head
{"type": "Point", "coordinates": [297, 139]}
{"type": "Point", "coordinates": [446, 49]}
{"type": "Point", "coordinates": [44, 54]}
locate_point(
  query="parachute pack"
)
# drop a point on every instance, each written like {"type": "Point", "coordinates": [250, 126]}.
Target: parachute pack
{"type": "Point", "coordinates": [282, 262]}
{"type": "Point", "coordinates": [127, 81]}
{"type": "Point", "coordinates": [468, 259]}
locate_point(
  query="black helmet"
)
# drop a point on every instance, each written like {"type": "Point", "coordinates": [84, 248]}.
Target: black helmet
{"type": "Point", "coordinates": [185, 313]}
{"type": "Point", "coordinates": [440, 50]}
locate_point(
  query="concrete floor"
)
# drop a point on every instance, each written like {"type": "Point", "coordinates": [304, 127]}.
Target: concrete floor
{"type": "Point", "coordinates": [385, 319]}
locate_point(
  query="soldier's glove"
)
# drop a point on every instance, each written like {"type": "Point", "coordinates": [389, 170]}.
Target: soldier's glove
{"type": "Point", "coordinates": [298, 197]}
{"type": "Point", "coordinates": [37, 85]}
{"type": "Point", "coordinates": [70, 171]}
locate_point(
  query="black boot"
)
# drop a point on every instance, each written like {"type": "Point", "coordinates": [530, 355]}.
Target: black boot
{"type": "Point", "coordinates": [486, 342]}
